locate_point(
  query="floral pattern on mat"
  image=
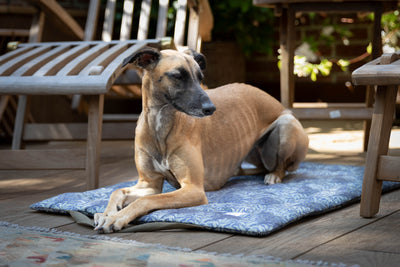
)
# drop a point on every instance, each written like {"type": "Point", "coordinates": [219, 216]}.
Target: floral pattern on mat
{"type": "Point", "coordinates": [22, 246]}
{"type": "Point", "coordinates": [245, 205]}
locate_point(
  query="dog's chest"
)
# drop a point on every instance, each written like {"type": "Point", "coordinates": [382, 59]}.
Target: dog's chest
{"type": "Point", "coordinates": [162, 167]}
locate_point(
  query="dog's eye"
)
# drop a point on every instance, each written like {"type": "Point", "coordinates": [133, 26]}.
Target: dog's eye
{"type": "Point", "coordinates": [176, 75]}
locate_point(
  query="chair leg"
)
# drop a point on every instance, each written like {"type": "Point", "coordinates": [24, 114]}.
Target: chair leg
{"type": "Point", "coordinates": [95, 120]}
{"type": "Point", "coordinates": [378, 145]}
{"type": "Point", "coordinates": [376, 52]}
{"type": "Point", "coordinates": [369, 102]}
{"type": "Point", "coordinates": [19, 122]}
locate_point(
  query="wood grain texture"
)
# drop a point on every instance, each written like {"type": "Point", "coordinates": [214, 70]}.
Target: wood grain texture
{"type": "Point", "coordinates": [95, 120]}
{"type": "Point", "coordinates": [378, 145]}
{"type": "Point", "coordinates": [42, 159]}
{"type": "Point", "coordinates": [52, 8]}
{"type": "Point", "coordinates": [333, 113]}
{"type": "Point", "coordinates": [78, 131]}
{"type": "Point", "coordinates": [389, 168]}
{"type": "Point", "coordinates": [338, 236]}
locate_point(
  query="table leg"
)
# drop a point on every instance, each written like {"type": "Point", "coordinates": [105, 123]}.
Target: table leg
{"type": "Point", "coordinates": [378, 145]}
{"type": "Point", "coordinates": [287, 40]}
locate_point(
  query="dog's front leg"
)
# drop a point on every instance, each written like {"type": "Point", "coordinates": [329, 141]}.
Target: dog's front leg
{"type": "Point", "coordinates": [187, 195]}
{"type": "Point", "coordinates": [188, 168]}
{"type": "Point", "coordinates": [121, 198]}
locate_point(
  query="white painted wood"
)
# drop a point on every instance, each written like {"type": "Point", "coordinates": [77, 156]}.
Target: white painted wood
{"type": "Point", "coordinates": [179, 32]}
{"type": "Point", "coordinates": [76, 65]}
{"type": "Point", "coordinates": [13, 54]}
{"type": "Point", "coordinates": [10, 66]}
{"type": "Point", "coordinates": [126, 23]}
{"type": "Point", "coordinates": [52, 67]}
{"type": "Point", "coordinates": [144, 20]}
{"type": "Point", "coordinates": [108, 21]}
{"type": "Point", "coordinates": [91, 21]}
{"type": "Point", "coordinates": [193, 32]}
{"type": "Point", "coordinates": [162, 18]}
{"type": "Point", "coordinates": [105, 58]}
{"type": "Point", "coordinates": [32, 66]}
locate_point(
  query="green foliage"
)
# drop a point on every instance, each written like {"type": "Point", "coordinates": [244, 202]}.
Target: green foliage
{"type": "Point", "coordinates": [330, 32]}
{"type": "Point", "coordinates": [251, 27]}
{"type": "Point", "coordinates": [303, 68]}
{"type": "Point", "coordinates": [391, 28]}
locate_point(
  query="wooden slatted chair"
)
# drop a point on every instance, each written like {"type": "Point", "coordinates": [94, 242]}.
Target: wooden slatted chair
{"type": "Point", "coordinates": [384, 73]}
{"type": "Point", "coordinates": [87, 68]}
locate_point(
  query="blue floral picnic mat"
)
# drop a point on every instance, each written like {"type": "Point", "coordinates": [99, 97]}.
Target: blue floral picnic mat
{"type": "Point", "coordinates": [245, 205]}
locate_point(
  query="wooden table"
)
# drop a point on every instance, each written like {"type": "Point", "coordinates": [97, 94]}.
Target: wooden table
{"type": "Point", "coordinates": [287, 9]}
{"type": "Point", "coordinates": [385, 73]}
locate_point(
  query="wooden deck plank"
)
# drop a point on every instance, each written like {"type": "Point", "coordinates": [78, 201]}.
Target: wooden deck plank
{"type": "Point", "coordinates": [354, 257]}
{"type": "Point", "coordinates": [173, 238]}
{"type": "Point", "coordinates": [42, 159]}
{"type": "Point", "coordinates": [22, 215]}
{"type": "Point", "coordinates": [294, 240]}
{"type": "Point", "coordinates": [376, 244]}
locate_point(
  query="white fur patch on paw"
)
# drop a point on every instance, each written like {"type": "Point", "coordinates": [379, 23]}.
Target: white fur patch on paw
{"type": "Point", "coordinates": [271, 178]}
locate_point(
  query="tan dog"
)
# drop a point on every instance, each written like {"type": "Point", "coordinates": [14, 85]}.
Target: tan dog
{"type": "Point", "coordinates": [177, 139]}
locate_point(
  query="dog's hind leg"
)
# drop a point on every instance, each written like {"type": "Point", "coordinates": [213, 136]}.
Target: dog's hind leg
{"type": "Point", "coordinates": [282, 148]}
{"type": "Point", "coordinates": [269, 149]}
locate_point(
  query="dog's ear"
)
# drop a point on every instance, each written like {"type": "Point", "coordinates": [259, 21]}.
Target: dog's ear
{"type": "Point", "coordinates": [198, 57]}
{"type": "Point", "coordinates": [147, 58]}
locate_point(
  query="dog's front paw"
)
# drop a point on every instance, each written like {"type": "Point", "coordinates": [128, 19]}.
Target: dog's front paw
{"type": "Point", "coordinates": [108, 224]}
{"type": "Point", "coordinates": [271, 178]}
{"type": "Point", "coordinates": [99, 219]}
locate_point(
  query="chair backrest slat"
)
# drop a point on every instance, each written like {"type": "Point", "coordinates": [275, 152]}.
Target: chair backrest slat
{"type": "Point", "coordinates": [179, 31]}
{"type": "Point", "coordinates": [194, 37]}
{"type": "Point", "coordinates": [126, 23]}
{"type": "Point", "coordinates": [108, 21]}
{"type": "Point", "coordinates": [91, 22]}
{"type": "Point", "coordinates": [144, 20]}
{"type": "Point", "coordinates": [162, 18]}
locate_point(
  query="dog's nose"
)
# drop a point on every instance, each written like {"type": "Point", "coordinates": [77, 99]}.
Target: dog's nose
{"type": "Point", "coordinates": [208, 108]}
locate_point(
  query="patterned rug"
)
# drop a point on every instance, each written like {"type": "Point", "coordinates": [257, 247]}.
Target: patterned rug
{"type": "Point", "coordinates": [22, 246]}
{"type": "Point", "coordinates": [245, 205]}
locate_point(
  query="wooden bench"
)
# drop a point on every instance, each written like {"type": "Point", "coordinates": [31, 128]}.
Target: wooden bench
{"type": "Point", "coordinates": [87, 68]}
{"type": "Point", "coordinates": [383, 72]}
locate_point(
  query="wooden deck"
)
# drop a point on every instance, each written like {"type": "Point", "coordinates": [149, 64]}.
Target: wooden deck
{"type": "Point", "coordinates": [339, 236]}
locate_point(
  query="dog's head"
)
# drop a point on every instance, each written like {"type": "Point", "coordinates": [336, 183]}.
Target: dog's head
{"type": "Point", "coordinates": [175, 78]}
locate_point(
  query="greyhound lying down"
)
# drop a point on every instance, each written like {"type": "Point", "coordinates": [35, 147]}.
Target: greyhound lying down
{"type": "Point", "coordinates": [197, 139]}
